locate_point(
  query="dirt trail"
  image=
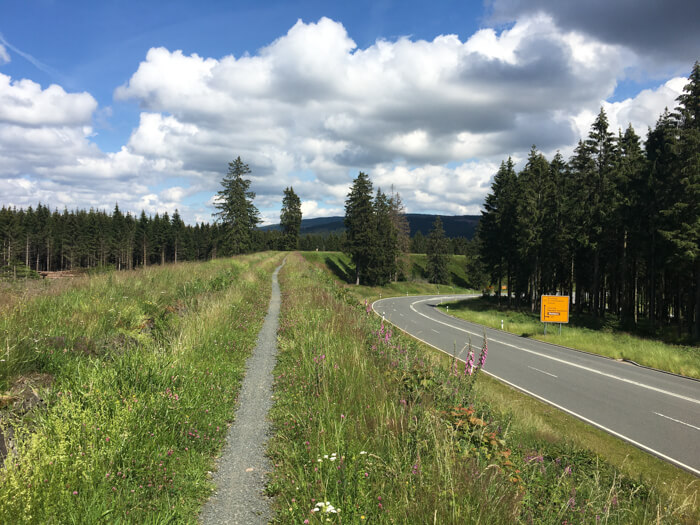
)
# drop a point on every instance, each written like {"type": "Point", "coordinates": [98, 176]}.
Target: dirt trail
{"type": "Point", "coordinates": [240, 478]}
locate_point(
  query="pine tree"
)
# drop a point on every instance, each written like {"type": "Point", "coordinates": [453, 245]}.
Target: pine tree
{"type": "Point", "coordinates": [237, 213]}
{"type": "Point", "coordinates": [534, 225]}
{"type": "Point", "coordinates": [497, 227]}
{"type": "Point", "coordinates": [683, 211]}
{"type": "Point", "coordinates": [381, 264]}
{"type": "Point", "coordinates": [438, 257]}
{"type": "Point", "coordinates": [290, 219]}
{"type": "Point", "coordinates": [177, 227]}
{"type": "Point", "coordinates": [397, 212]}
{"type": "Point", "coordinates": [360, 225]}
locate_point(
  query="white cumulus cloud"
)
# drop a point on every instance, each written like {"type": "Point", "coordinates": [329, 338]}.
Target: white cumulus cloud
{"type": "Point", "coordinates": [432, 118]}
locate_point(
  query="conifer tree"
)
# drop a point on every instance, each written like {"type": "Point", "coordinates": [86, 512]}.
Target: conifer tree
{"type": "Point", "coordinates": [403, 240]}
{"type": "Point", "coordinates": [290, 219]}
{"type": "Point", "coordinates": [360, 225]}
{"type": "Point", "coordinates": [382, 258]}
{"type": "Point", "coordinates": [497, 227]}
{"type": "Point", "coordinates": [178, 231]}
{"type": "Point", "coordinates": [237, 214]}
{"type": "Point", "coordinates": [683, 211]}
{"type": "Point", "coordinates": [438, 257]}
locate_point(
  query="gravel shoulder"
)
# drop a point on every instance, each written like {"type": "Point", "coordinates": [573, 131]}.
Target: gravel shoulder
{"type": "Point", "coordinates": [242, 468]}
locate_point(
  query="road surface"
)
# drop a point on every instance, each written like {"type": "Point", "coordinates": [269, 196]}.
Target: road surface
{"type": "Point", "coordinates": [655, 411]}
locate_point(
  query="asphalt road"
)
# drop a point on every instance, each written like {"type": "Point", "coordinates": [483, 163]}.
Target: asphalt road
{"type": "Point", "coordinates": [655, 411]}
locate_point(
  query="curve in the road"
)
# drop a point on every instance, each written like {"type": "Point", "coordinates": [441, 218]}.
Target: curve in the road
{"type": "Point", "coordinates": [617, 398]}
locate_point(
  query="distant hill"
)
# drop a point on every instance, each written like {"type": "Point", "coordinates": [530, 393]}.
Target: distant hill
{"type": "Point", "coordinates": [454, 225]}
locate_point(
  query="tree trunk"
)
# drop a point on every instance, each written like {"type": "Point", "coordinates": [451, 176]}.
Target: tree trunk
{"type": "Point", "coordinates": [596, 282]}
{"type": "Point", "coordinates": [696, 325]}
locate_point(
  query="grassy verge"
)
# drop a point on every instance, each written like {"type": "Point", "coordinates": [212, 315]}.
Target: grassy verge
{"type": "Point", "coordinates": [371, 428]}
{"type": "Point", "coordinates": [143, 371]}
{"type": "Point", "coordinates": [339, 264]}
{"type": "Point", "coordinates": [602, 340]}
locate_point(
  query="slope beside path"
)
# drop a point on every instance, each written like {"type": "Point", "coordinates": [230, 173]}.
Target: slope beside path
{"type": "Point", "coordinates": [240, 478]}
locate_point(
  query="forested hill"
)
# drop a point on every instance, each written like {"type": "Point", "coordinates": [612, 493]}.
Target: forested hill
{"type": "Point", "coordinates": [454, 226]}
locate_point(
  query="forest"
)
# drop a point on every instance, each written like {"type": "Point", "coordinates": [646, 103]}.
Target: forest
{"type": "Point", "coordinates": [41, 240]}
{"type": "Point", "coordinates": [616, 227]}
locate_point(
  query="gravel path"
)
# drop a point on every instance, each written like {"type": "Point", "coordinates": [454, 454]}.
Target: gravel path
{"type": "Point", "coordinates": [240, 478]}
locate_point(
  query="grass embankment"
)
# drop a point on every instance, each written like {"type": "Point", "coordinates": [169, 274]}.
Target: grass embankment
{"type": "Point", "coordinates": [341, 266]}
{"type": "Point", "coordinates": [603, 339]}
{"type": "Point", "coordinates": [371, 428]}
{"type": "Point", "coordinates": [140, 372]}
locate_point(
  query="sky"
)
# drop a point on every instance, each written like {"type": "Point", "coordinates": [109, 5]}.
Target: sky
{"type": "Point", "coordinates": [144, 104]}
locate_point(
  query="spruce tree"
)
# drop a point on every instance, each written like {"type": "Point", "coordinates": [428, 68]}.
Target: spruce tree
{"type": "Point", "coordinates": [360, 226]}
{"type": "Point", "coordinates": [381, 265]}
{"type": "Point", "coordinates": [402, 261]}
{"type": "Point", "coordinates": [237, 214]}
{"type": "Point", "coordinates": [683, 211]}
{"type": "Point", "coordinates": [438, 257]}
{"type": "Point", "coordinates": [290, 219]}
{"type": "Point", "coordinates": [497, 227]}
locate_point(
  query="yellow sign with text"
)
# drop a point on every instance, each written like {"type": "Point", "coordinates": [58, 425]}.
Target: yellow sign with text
{"type": "Point", "coordinates": [555, 309]}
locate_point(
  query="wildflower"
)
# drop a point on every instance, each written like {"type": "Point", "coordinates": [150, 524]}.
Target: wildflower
{"type": "Point", "coordinates": [325, 507]}
{"type": "Point", "coordinates": [469, 364]}
{"type": "Point", "coordinates": [484, 352]}
{"type": "Point", "coordinates": [75, 493]}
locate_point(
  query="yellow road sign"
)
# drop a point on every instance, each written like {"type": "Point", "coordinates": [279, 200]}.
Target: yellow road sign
{"type": "Point", "coordinates": [555, 309]}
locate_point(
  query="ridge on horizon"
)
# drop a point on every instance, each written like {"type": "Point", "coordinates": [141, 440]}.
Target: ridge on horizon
{"type": "Point", "coordinates": [454, 225]}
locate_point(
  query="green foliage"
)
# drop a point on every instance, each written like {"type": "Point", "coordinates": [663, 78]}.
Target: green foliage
{"type": "Point", "coordinates": [617, 227]}
{"type": "Point", "coordinates": [437, 251]}
{"type": "Point", "coordinates": [290, 219]}
{"type": "Point", "coordinates": [360, 225]}
{"type": "Point", "coordinates": [376, 233]}
{"type": "Point", "coordinates": [237, 213]}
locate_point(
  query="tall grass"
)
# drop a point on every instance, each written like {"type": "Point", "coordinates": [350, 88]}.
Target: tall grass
{"type": "Point", "coordinates": [603, 340]}
{"type": "Point", "coordinates": [369, 428]}
{"type": "Point", "coordinates": [146, 367]}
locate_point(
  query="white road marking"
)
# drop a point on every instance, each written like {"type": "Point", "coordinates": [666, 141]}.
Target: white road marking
{"type": "Point", "coordinates": [582, 418]}
{"type": "Point", "coordinates": [401, 315]}
{"type": "Point", "coordinates": [582, 367]}
{"type": "Point", "coordinates": [677, 421]}
{"type": "Point", "coordinates": [532, 367]}
{"type": "Point", "coordinates": [433, 329]}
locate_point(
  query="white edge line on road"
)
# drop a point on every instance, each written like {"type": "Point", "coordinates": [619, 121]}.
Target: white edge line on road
{"type": "Point", "coordinates": [571, 412]}
{"type": "Point", "coordinates": [588, 369]}
{"type": "Point", "coordinates": [677, 421]}
{"type": "Point", "coordinates": [533, 368]}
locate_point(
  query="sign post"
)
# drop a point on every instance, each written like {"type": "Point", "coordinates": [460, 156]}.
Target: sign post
{"type": "Point", "coordinates": [555, 309]}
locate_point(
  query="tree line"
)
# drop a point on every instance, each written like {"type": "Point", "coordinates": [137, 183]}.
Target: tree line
{"type": "Point", "coordinates": [616, 227]}
{"type": "Point", "coordinates": [42, 240]}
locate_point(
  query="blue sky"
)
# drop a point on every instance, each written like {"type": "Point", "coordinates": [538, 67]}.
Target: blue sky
{"type": "Point", "coordinates": [144, 103]}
